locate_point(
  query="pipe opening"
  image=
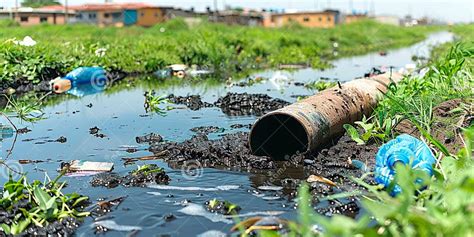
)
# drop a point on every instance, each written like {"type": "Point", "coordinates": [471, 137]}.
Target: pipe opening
{"type": "Point", "coordinates": [277, 135]}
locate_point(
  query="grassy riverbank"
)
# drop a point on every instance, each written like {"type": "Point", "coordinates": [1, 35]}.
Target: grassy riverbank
{"type": "Point", "coordinates": [438, 106]}
{"type": "Point", "coordinates": [225, 49]}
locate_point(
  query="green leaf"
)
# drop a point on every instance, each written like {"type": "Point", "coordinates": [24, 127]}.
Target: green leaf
{"type": "Point", "coordinates": [42, 198]}
{"type": "Point", "coordinates": [353, 134]}
{"type": "Point", "coordinates": [6, 228]}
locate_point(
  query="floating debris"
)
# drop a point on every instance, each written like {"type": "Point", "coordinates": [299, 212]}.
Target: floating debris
{"type": "Point", "coordinates": [193, 209]}
{"type": "Point", "coordinates": [314, 178]}
{"type": "Point", "coordinates": [270, 188]}
{"type": "Point", "coordinates": [222, 207]}
{"type": "Point", "coordinates": [152, 137]}
{"type": "Point", "coordinates": [207, 129]}
{"type": "Point", "coordinates": [104, 226]}
{"type": "Point", "coordinates": [137, 178]}
{"type": "Point", "coordinates": [217, 188]}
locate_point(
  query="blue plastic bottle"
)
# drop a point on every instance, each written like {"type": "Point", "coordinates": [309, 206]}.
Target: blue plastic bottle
{"type": "Point", "coordinates": [94, 76]}
{"type": "Point", "coordinates": [86, 75]}
{"type": "Point", "coordinates": [406, 150]}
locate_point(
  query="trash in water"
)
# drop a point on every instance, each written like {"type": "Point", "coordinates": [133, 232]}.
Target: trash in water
{"type": "Point", "coordinates": [255, 224]}
{"type": "Point", "coordinates": [212, 233]}
{"type": "Point", "coordinates": [280, 80]}
{"type": "Point", "coordinates": [81, 165]}
{"type": "Point", "coordinates": [314, 178]}
{"type": "Point", "coordinates": [6, 131]}
{"type": "Point", "coordinates": [405, 150]}
{"type": "Point", "coordinates": [82, 90]}
{"type": "Point", "coordinates": [95, 76]}
{"type": "Point", "coordinates": [218, 188]}
{"type": "Point", "coordinates": [270, 188]}
{"type": "Point", "coordinates": [222, 207]}
{"type": "Point", "coordinates": [105, 207]}
{"type": "Point", "coordinates": [103, 226]}
{"type": "Point", "coordinates": [180, 71]}
{"type": "Point", "coordinates": [193, 209]}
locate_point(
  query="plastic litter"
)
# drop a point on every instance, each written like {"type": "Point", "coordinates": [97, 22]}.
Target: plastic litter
{"type": "Point", "coordinates": [406, 150]}
{"type": "Point", "coordinates": [180, 71]}
{"type": "Point", "coordinates": [86, 89]}
{"type": "Point", "coordinates": [5, 131]}
{"type": "Point", "coordinates": [86, 166]}
{"type": "Point", "coordinates": [27, 41]}
{"type": "Point", "coordinates": [95, 76]}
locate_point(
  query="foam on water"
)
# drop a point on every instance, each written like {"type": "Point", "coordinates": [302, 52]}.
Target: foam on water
{"type": "Point", "coordinates": [270, 188]}
{"type": "Point", "coordinates": [217, 188]}
{"type": "Point", "coordinates": [112, 225]}
{"type": "Point", "coordinates": [193, 209]}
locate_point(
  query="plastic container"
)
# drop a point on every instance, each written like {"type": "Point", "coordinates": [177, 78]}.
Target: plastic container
{"type": "Point", "coordinates": [95, 76]}
{"type": "Point", "coordinates": [406, 150]}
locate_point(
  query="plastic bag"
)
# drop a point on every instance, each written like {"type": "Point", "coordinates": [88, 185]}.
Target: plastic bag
{"type": "Point", "coordinates": [406, 150]}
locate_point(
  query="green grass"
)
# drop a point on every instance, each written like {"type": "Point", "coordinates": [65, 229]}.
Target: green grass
{"type": "Point", "coordinates": [226, 49]}
{"type": "Point", "coordinates": [45, 204]}
{"type": "Point", "coordinates": [442, 205]}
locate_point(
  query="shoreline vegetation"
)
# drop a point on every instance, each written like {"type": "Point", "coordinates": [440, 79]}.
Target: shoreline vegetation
{"type": "Point", "coordinates": [226, 50]}
{"type": "Point", "coordinates": [442, 205]}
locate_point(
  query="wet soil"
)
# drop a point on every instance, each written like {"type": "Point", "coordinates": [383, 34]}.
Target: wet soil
{"type": "Point", "coordinates": [193, 102]}
{"type": "Point", "coordinates": [237, 104]}
{"type": "Point", "coordinates": [449, 118]}
{"type": "Point", "coordinates": [333, 162]}
{"type": "Point", "coordinates": [136, 178]}
{"type": "Point", "coordinates": [233, 104]}
{"type": "Point", "coordinates": [222, 207]}
{"type": "Point", "coordinates": [207, 129]}
{"type": "Point", "coordinates": [65, 227]}
{"type": "Point", "coordinates": [152, 137]}
{"type": "Point", "coordinates": [231, 150]}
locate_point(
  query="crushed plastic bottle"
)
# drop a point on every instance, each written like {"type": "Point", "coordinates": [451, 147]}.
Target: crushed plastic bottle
{"type": "Point", "coordinates": [95, 76]}
{"type": "Point", "coordinates": [406, 150]}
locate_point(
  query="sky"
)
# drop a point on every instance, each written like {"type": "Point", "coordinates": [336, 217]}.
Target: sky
{"type": "Point", "coordinates": [446, 10]}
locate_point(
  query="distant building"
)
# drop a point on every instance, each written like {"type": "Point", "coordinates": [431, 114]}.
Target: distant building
{"type": "Point", "coordinates": [232, 17]}
{"type": "Point", "coordinates": [391, 20]}
{"type": "Point", "coordinates": [324, 19]}
{"type": "Point", "coordinates": [351, 18]}
{"type": "Point", "coordinates": [32, 16]}
{"type": "Point", "coordinates": [120, 14]}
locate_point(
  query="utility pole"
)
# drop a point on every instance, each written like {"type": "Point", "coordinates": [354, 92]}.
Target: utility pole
{"type": "Point", "coordinates": [66, 19]}
{"type": "Point", "coordinates": [16, 9]}
{"type": "Point", "coordinates": [351, 6]}
{"type": "Point", "coordinates": [215, 10]}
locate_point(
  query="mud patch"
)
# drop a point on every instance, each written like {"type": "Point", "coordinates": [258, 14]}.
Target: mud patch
{"type": "Point", "coordinates": [193, 102]}
{"type": "Point", "coordinates": [231, 150]}
{"type": "Point", "coordinates": [235, 104]}
{"type": "Point", "coordinates": [152, 137]}
{"type": "Point", "coordinates": [207, 129]}
{"type": "Point", "coordinates": [139, 177]}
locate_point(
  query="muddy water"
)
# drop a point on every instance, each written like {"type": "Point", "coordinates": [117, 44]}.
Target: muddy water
{"type": "Point", "coordinates": [120, 115]}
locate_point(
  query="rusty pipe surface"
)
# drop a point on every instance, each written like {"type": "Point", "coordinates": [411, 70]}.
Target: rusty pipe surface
{"type": "Point", "coordinates": [309, 123]}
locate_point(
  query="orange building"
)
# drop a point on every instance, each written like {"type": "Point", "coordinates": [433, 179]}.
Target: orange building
{"type": "Point", "coordinates": [325, 19]}
{"type": "Point", "coordinates": [149, 16]}
{"type": "Point", "coordinates": [120, 14]}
